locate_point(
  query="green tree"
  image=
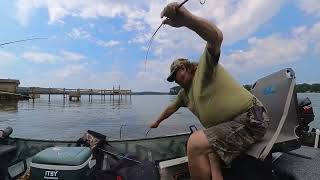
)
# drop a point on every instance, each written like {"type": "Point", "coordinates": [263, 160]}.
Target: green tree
{"type": "Point", "coordinates": [302, 88]}
{"type": "Point", "coordinates": [247, 86]}
{"type": "Point", "coordinates": [175, 90]}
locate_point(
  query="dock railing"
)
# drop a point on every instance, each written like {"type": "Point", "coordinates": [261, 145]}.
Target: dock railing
{"type": "Point", "coordinates": [77, 93]}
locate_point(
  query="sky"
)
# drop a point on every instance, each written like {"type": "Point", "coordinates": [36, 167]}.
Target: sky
{"type": "Point", "coordinates": [102, 43]}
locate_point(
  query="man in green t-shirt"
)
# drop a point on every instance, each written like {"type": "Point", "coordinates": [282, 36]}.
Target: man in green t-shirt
{"type": "Point", "coordinates": [233, 118]}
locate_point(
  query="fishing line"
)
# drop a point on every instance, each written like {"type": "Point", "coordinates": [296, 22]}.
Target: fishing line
{"type": "Point", "coordinates": [148, 132]}
{"type": "Point", "coordinates": [22, 40]}
{"type": "Point", "coordinates": [153, 35]}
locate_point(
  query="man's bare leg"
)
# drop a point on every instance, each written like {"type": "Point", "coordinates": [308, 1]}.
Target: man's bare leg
{"type": "Point", "coordinates": [201, 167]}
{"type": "Point", "coordinates": [215, 166]}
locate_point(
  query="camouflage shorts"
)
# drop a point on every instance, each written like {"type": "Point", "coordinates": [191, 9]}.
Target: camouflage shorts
{"type": "Point", "coordinates": [231, 138]}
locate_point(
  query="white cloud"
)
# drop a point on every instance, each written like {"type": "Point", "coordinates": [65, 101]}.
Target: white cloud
{"type": "Point", "coordinates": [24, 11]}
{"type": "Point", "coordinates": [310, 7]}
{"type": "Point", "coordinates": [44, 57]}
{"type": "Point", "coordinates": [39, 57]}
{"type": "Point", "coordinates": [152, 75]}
{"type": "Point", "coordinates": [113, 76]}
{"type": "Point", "coordinates": [59, 9]}
{"type": "Point", "coordinates": [6, 58]}
{"type": "Point", "coordinates": [67, 55]}
{"type": "Point", "coordinates": [134, 25]}
{"type": "Point", "coordinates": [238, 20]}
{"type": "Point", "coordinates": [272, 50]}
{"type": "Point", "coordinates": [69, 71]}
{"type": "Point", "coordinates": [276, 49]}
{"type": "Point", "coordinates": [110, 43]}
{"type": "Point", "coordinates": [311, 36]}
{"type": "Point", "coordinates": [141, 38]}
{"type": "Point", "coordinates": [77, 33]}
{"type": "Point", "coordinates": [153, 70]}
{"type": "Point", "coordinates": [245, 17]}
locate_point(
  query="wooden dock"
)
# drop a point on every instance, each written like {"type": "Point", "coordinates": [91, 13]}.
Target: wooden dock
{"type": "Point", "coordinates": [75, 94]}
{"type": "Point", "coordinates": [8, 96]}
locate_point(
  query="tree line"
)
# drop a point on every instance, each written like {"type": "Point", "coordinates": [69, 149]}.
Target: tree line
{"type": "Point", "coordinates": [300, 88]}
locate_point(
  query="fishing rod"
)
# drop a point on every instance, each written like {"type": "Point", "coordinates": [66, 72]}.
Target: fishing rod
{"type": "Point", "coordinates": [119, 156]}
{"type": "Point", "coordinates": [153, 35]}
{"type": "Point", "coordinates": [22, 40]}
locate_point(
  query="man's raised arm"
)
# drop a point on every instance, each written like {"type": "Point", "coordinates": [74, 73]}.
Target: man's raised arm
{"type": "Point", "coordinates": [208, 31]}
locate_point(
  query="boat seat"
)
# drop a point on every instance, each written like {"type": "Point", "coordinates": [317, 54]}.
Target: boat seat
{"type": "Point", "coordinates": [7, 153]}
{"type": "Point", "coordinates": [6, 150]}
{"type": "Point", "coordinates": [277, 94]}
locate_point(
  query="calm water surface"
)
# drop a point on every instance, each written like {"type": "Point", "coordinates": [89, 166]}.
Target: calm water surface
{"type": "Point", "coordinates": [69, 120]}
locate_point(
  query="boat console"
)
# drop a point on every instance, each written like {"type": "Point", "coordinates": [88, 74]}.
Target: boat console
{"type": "Point", "coordinates": [277, 94]}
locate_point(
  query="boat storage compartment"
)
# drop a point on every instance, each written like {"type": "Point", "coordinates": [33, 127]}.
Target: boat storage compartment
{"type": "Point", "coordinates": [61, 163]}
{"type": "Point", "coordinates": [174, 169]}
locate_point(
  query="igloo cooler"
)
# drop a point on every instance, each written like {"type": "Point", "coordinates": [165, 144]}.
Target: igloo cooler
{"type": "Point", "coordinates": [61, 163]}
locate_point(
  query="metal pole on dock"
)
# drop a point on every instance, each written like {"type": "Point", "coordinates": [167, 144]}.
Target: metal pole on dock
{"type": "Point", "coordinates": [126, 94]}
{"type": "Point", "coordinates": [113, 94]}
{"type": "Point", "coordinates": [33, 94]}
{"type": "Point", "coordinates": [120, 96]}
{"type": "Point", "coordinates": [49, 94]}
{"type": "Point", "coordinates": [78, 98]}
{"type": "Point", "coordinates": [91, 94]}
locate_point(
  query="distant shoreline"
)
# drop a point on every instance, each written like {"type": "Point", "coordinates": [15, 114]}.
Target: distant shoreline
{"type": "Point", "coordinates": [25, 90]}
{"type": "Point", "coordinates": [150, 93]}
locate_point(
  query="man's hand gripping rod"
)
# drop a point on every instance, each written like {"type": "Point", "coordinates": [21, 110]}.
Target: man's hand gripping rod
{"type": "Point", "coordinates": [152, 37]}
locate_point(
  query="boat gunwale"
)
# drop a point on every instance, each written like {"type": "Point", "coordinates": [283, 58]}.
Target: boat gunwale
{"type": "Point", "coordinates": [109, 141]}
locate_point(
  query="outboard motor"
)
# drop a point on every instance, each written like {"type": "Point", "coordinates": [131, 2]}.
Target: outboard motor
{"type": "Point", "coordinates": [7, 152]}
{"type": "Point", "coordinates": [305, 116]}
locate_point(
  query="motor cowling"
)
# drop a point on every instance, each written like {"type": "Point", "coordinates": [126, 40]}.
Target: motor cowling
{"type": "Point", "coordinates": [305, 116]}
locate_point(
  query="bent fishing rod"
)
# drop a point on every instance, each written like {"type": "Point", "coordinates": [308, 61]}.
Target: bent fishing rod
{"type": "Point", "coordinates": [153, 35]}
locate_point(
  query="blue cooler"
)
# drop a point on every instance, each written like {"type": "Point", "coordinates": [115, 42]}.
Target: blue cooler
{"type": "Point", "coordinates": [61, 163]}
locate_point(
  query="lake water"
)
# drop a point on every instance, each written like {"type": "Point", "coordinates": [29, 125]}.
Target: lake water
{"type": "Point", "coordinates": [65, 120]}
